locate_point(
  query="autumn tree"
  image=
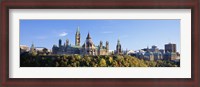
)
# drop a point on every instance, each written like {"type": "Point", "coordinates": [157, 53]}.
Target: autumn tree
{"type": "Point", "coordinates": [102, 63]}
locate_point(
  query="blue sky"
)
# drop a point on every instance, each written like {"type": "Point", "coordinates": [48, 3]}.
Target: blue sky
{"type": "Point", "coordinates": [133, 34]}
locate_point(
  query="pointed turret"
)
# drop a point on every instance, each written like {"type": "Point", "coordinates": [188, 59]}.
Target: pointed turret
{"type": "Point", "coordinates": [32, 49]}
{"type": "Point", "coordinates": [32, 45]}
{"type": "Point", "coordinates": [148, 49]}
{"type": "Point", "coordinates": [118, 47]}
{"type": "Point", "coordinates": [118, 42]}
{"type": "Point", "coordinates": [88, 36]}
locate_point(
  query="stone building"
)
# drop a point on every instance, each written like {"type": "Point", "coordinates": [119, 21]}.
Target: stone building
{"type": "Point", "coordinates": [23, 49]}
{"type": "Point", "coordinates": [148, 55]}
{"type": "Point", "coordinates": [170, 52]}
{"type": "Point", "coordinates": [170, 47]}
{"type": "Point", "coordinates": [32, 49]}
{"type": "Point", "coordinates": [159, 54]}
{"type": "Point", "coordinates": [103, 50]}
{"type": "Point", "coordinates": [88, 48]}
{"type": "Point", "coordinates": [170, 56]}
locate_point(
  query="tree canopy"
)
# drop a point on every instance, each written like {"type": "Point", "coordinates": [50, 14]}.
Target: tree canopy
{"type": "Point", "coordinates": [29, 60]}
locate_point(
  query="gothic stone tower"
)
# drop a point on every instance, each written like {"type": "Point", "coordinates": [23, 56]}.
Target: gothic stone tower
{"type": "Point", "coordinates": [107, 46]}
{"type": "Point", "coordinates": [32, 49]}
{"type": "Point", "coordinates": [77, 37]}
{"type": "Point", "coordinates": [118, 47]}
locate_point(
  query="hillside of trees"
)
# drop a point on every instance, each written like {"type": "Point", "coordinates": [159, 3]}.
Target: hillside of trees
{"type": "Point", "coordinates": [32, 60]}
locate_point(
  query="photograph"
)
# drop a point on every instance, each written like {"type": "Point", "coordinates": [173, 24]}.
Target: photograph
{"type": "Point", "coordinates": [121, 43]}
{"type": "Point", "coordinates": [99, 43]}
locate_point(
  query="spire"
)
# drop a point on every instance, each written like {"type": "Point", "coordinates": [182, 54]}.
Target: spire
{"type": "Point", "coordinates": [107, 42]}
{"type": "Point", "coordinates": [88, 36]}
{"type": "Point", "coordinates": [118, 42]}
{"type": "Point", "coordinates": [77, 31]}
{"type": "Point", "coordinates": [78, 28]}
{"type": "Point", "coordinates": [101, 42]}
{"type": "Point", "coordinates": [118, 47]}
{"type": "Point", "coordinates": [32, 45]}
{"type": "Point", "coordinates": [32, 48]}
{"type": "Point", "coordinates": [147, 48]}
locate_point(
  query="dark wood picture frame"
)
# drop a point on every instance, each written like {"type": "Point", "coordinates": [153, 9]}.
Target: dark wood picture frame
{"type": "Point", "coordinates": [100, 4]}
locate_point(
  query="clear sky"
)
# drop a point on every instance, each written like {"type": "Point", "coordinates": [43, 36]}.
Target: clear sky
{"type": "Point", "coordinates": [133, 34]}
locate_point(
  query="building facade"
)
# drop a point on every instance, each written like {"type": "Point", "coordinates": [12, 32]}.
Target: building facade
{"type": "Point", "coordinates": [170, 52]}
{"type": "Point", "coordinates": [23, 49]}
{"type": "Point", "coordinates": [88, 48]}
{"type": "Point", "coordinates": [148, 55]}
{"type": "Point", "coordinates": [170, 47]}
{"type": "Point", "coordinates": [155, 53]}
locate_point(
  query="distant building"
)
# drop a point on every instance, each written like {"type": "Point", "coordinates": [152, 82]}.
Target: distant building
{"type": "Point", "coordinates": [162, 51]}
{"type": "Point", "coordinates": [24, 48]}
{"type": "Point", "coordinates": [88, 48]}
{"type": "Point", "coordinates": [154, 49]}
{"type": "Point", "coordinates": [39, 50]}
{"type": "Point", "coordinates": [148, 55]}
{"type": "Point", "coordinates": [155, 53]}
{"type": "Point", "coordinates": [118, 48]}
{"type": "Point", "coordinates": [158, 55]}
{"type": "Point", "coordinates": [140, 54]}
{"type": "Point", "coordinates": [32, 49]}
{"type": "Point", "coordinates": [170, 47]}
{"type": "Point", "coordinates": [170, 52]}
{"type": "Point", "coordinates": [103, 50]}
{"type": "Point", "coordinates": [130, 52]}
{"type": "Point", "coordinates": [144, 49]}
{"type": "Point", "coordinates": [170, 56]}
{"type": "Point", "coordinates": [42, 50]}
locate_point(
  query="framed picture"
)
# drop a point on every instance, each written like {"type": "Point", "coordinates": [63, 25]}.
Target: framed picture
{"type": "Point", "coordinates": [100, 43]}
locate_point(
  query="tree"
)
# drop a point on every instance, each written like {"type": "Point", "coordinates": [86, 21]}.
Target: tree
{"type": "Point", "coordinates": [102, 63]}
{"type": "Point", "coordinates": [31, 60]}
{"type": "Point", "coordinates": [57, 64]}
{"type": "Point", "coordinates": [110, 60]}
{"type": "Point", "coordinates": [115, 64]}
{"type": "Point", "coordinates": [77, 57]}
{"type": "Point", "coordinates": [33, 53]}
